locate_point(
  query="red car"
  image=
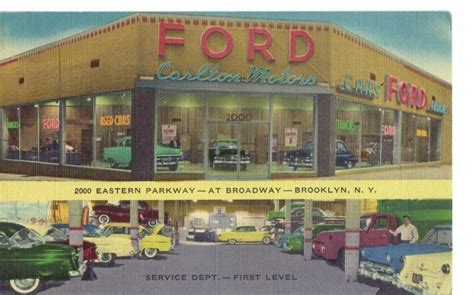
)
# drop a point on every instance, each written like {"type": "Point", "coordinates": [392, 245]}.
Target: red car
{"type": "Point", "coordinates": [121, 213]}
{"type": "Point", "coordinates": [56, 236]}
{"type": "Point", "coordinates": [374, 231]}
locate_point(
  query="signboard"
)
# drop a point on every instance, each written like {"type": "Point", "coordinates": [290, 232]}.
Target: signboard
{"type": "Point", "coordinates": [50, 123]}
{"type": "Point", "coordinates": [360, 88]}
{"type": "Point", "coordinates": [291, 137]}
{"type": "Point", "coordinates": [117, 120]}
{"type": "Point", "coordinates": [406, 93]}
{"type": "Point", "coordinates": [421, 133]}
{"type": "Point", "coordinates": [168, 133]}
{"type": "Point", "coordinates": [439, 109]}
{"type": "Point", "coordinates": [389, 130]}
{"type": "Point", "coordinates": [13, 125]}
{"type": "Point", "coordinates": [345, 125]}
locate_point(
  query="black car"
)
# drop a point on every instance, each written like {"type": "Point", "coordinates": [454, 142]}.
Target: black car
{"type": "Point", "coordinates": [304, 157]}
{"type": "Point", "coordinates": [201, 235]}
{"type": "Point", "coordinates": [318, 216]}
{"type": "Point", "coordinates": [224, 154]}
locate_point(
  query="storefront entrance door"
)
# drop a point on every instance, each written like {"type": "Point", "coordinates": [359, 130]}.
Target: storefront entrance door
{"type": "Point", "coordinates": [237, 150]}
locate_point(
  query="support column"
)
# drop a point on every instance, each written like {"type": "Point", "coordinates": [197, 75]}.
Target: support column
{"type": "Point", "coordinates": [161, 212]}
{"type": "Point", "coordinates": [397, 139]}
{"type": "Point", "coordinates": [134, 227]}
{"type": "Point", "coordinates": [326, 135]}
{"type": "Point", "coordinates": [143, 134]}
{"type": "Point", "coordinates": [3, 134]}
{"type": "Point", "coordinates": [276, 205]}
{"type": "Point", "coordinates": [75, 227]}
{"type": "Point", "coordinates": [94, 132]}
{"type": "Point", "coordinates": [352, 246]}
{"type": "Point", "coordinates": [308, 229]}
{"type": "Point", "coordinates": [176, 214]}
{"type": "Point", "coordinates": [62, 132]}
{"type": "Point", "coordinates": [287, 217]}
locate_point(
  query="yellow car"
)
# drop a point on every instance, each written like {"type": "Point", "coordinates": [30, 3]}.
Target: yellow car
{"type": "Point", "coordinates": [109, 246]}
{"type": "Point", "coordinates": [426, 274]}
{"type": "Point", "coordinates": [245, 234]}
{"type": "Point", "coordinates": [151, 241]}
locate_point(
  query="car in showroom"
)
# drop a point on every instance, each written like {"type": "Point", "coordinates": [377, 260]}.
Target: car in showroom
{"type": "Point", "coordinates": [150, 241]}
{"type": "Point", "coordinates": [201, 235]}
{"type": "Point", "coordinates": [27, 261]}
{"type": "Point", "coordinates": [245, 234]}
{"type": "Point", "coordinates": [280, 214]}
{"type": "Point", "coordinates": [426, 274]}
{"type": "Point", "coordinates": [52, 234]}
{"type": "Point", "coordinates": [384, 263]}
{"type": "Point", "coordinates": [303, 158]}
{"type": "Point", "coordinates": [121, 213]}
{"type": "Point", "coordinates": [109, 247]}
{"type": "Point", "coordinates": [224, 154]}
{"type": "Point", "coordinates": [120, 156]}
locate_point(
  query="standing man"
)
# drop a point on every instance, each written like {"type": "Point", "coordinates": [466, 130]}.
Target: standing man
{"type": "Point", "coordinates": [408, 232]}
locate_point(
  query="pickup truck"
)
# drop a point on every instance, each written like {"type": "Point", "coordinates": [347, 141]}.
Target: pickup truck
{"type": "Point", "coordinates": [121, 155]}
{"type": "Point", "coordinates": [374, 232]}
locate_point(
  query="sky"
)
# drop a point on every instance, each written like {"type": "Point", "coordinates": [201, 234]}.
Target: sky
{"type": "Point", "coordinates": [422, 38]}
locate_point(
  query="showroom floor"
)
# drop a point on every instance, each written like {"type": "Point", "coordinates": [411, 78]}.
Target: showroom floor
{"type": "Point", "coordinates": [232, 265]}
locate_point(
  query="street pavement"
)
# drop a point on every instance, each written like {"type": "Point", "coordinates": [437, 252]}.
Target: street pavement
{"type": "Point", "coordinates": [217, 269]}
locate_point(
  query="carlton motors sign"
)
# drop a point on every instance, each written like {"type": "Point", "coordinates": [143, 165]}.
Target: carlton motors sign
{"type": "Point", "coordinates": [213, 73]}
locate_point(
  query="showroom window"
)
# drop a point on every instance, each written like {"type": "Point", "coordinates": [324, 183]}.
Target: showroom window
{"type": "Point", "coordinates": [435, 140]}
{"type": "Point", "coordinates": [29, 130]}
{"type": "Point", "coordinates": [113, 128]}
{"type": "Point", "coordinates": [79, 131]}
{"type": "Point", "coordinates": [389, 131]}
{"type": "Point", "coordinates": [180, 133]}
{"type": "Point", "coordinates": [348, 129]}
{"type": "Point", "coordinates": [292, 123]}
{"type": "Point", "coordinates": [12, 127]}
{"type": "Point", "coordinates": [408, 138]}
{"type": "Point", "coordinates": [49, 137]}
{"type": "Point", "coordinates": [371, 136]}
{"type": "Point", "coordinates": [422, 143]}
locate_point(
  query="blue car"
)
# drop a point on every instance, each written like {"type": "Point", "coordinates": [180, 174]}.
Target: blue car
{"type": "Point", "coordinates": [304, 157]}
{"type": "Point", "coordinates": [282, 239]}
{"type": "Point", "coordinates": [383, 263]}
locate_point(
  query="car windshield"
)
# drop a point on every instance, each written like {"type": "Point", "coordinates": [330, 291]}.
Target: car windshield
{"type": "Point", "coordinates": [226, 144]}
{"type": "Point", "coordinates": [441, 236]}
{"type": "Point", "coordinates": [95, 232]}
{"type": "Point", "coordinates": [364, 223]}
{"type": "Point", "coordinates": [54, 235]}
{"type": "Point", "coordinates": [26, 238]}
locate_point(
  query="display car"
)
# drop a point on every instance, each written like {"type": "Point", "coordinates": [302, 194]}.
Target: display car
{"type": "Point", "coordinates": [384, 263]}
{"type": "Point", "coordinates": [201, 235]}
{"type": "Point", "coordinates": [121, 213]}
{"type": "Point", "coordinates": [150, 242]}
{"type": "Point", "coordinates": [295, 242]}
{"type": "Point", "coordinates": [426, 274]}
{"type": "Point", "coordinates": [280, 214]}
{"type": "Point", "coordinates": [304, 157]}
{"type": "Point", "coordinates": [26, 261]}
{"type": "Point", "coordinates": [374, 231]}
{"type": "Point", "coordinates": [121, 155]}
{"type": "Point", "coordinates": [51, 234]}
{"type": "Point", "coordinates": [318, 216]}
{"type": "Point", "coordinates": [245, 234]}
{"type": "Point", "coordinates": [109, 247]}
{"type": "Point", "coordinates": [224, 153]}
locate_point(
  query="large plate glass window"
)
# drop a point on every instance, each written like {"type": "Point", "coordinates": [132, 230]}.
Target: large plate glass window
{"type": "Point", "coordinates": [408, 137]}
{"type": "Point", "coordinates": [389, 133]}
{"type": "Point", "coordinates": [371, 136]}
{"type": "Point", "coordinates": [49, 136]}
{"type": "Point", "coordinates": [348, 130]}
{"type": "Point", "coordinates": [12, 128]}
{"type": "Point", "coordinates": [79, 131]}
{"type": "Point", "coordinates": [422, 139]}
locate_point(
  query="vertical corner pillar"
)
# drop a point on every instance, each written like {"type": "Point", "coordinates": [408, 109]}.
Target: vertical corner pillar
{"type": "Point", "coordinates": [62, 132]}
{"type": "Point", "coordinates": [143, 134]}
{"type": "Point", "coordinates": [287, 217]}
{"type": "Point", "coordinates": [276, 205]}
{"type": "Point", "coordinates": [352, 245]}
{"type": "Point", "coordinates": [326, 135]}
{"type": "Point", "coordinates": [3, 134]}
{"type": "Point", "coordinates": [161, 211]}
{"type": "Point", "coordinates": [75, 227]}
{"type": "Point", "coordinates": [308, 229]}
{"type": "Point", "coordinates": [134, 226]}
{"type": "Point", "coordinates": [397, 139]}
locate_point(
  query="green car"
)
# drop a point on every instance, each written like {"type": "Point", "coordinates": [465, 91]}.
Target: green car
{"type": "Point", "coordinates": [26, 261]}
{"type": "Point", "coordinates": [295, 243]}
{"type": "Point", "coordinates": [280, 214]}
{"type": "Point", "coordinates": [121, 155]}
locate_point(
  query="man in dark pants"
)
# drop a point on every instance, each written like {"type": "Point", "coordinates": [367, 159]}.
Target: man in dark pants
{"type": "Point", "coordinates": [408, 232]}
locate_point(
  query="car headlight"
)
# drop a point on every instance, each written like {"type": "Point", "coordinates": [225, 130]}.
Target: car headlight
{"type": "Point", "coordinates": [388, 258]}
{"type": "Point", "coordinates": [446, 268]}
{"type": "Point", "coordinates": [323, 249]}
{"type": "Point", "coordinates": [311, 155]}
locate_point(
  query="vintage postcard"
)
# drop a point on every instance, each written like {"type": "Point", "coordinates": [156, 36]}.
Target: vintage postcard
{"type": "Point", "coordinates": [225, 153]}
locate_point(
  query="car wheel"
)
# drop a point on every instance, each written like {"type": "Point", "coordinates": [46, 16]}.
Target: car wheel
{"type": "Point", "coordinates": [349, 165]}
{"type": "Point", "coordinates": [341, 259]}
{"type": "Point", "coordinates": [173, 167]}
{"type": "Point", "coordinates": [150, 252]}
{"type": "Point", "coordinates": [113, 164]}
{"type": "Point", "coordinates": [25, 286]}
{"type": "Point", "coordinates": [267, 240]}
{"type": "Point", "coordinates": [104, 219]}
{"type": "Point", "coordinates": [152, 222]}
{"type": "Point", "coordinates": [107, 259]}
{"type": "Point", "coordinates": [232, 241]}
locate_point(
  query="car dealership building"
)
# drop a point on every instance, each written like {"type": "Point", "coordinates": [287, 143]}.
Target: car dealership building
{"type": "Point", "coordinates": [270, 87]}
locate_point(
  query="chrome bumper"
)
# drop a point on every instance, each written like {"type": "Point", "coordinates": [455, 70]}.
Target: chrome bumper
{"type": "Point", "coordinates": [79, 272]}
{"type": "Point", "coordinates": [376, 271]}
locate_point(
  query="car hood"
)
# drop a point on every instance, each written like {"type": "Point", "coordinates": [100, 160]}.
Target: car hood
{"type": "Point", "coordinates": [299, 153]}
{"type": "Point", "coordinates": [164, 150]}
{"type": "Point", "coordinates": [379, 254]}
